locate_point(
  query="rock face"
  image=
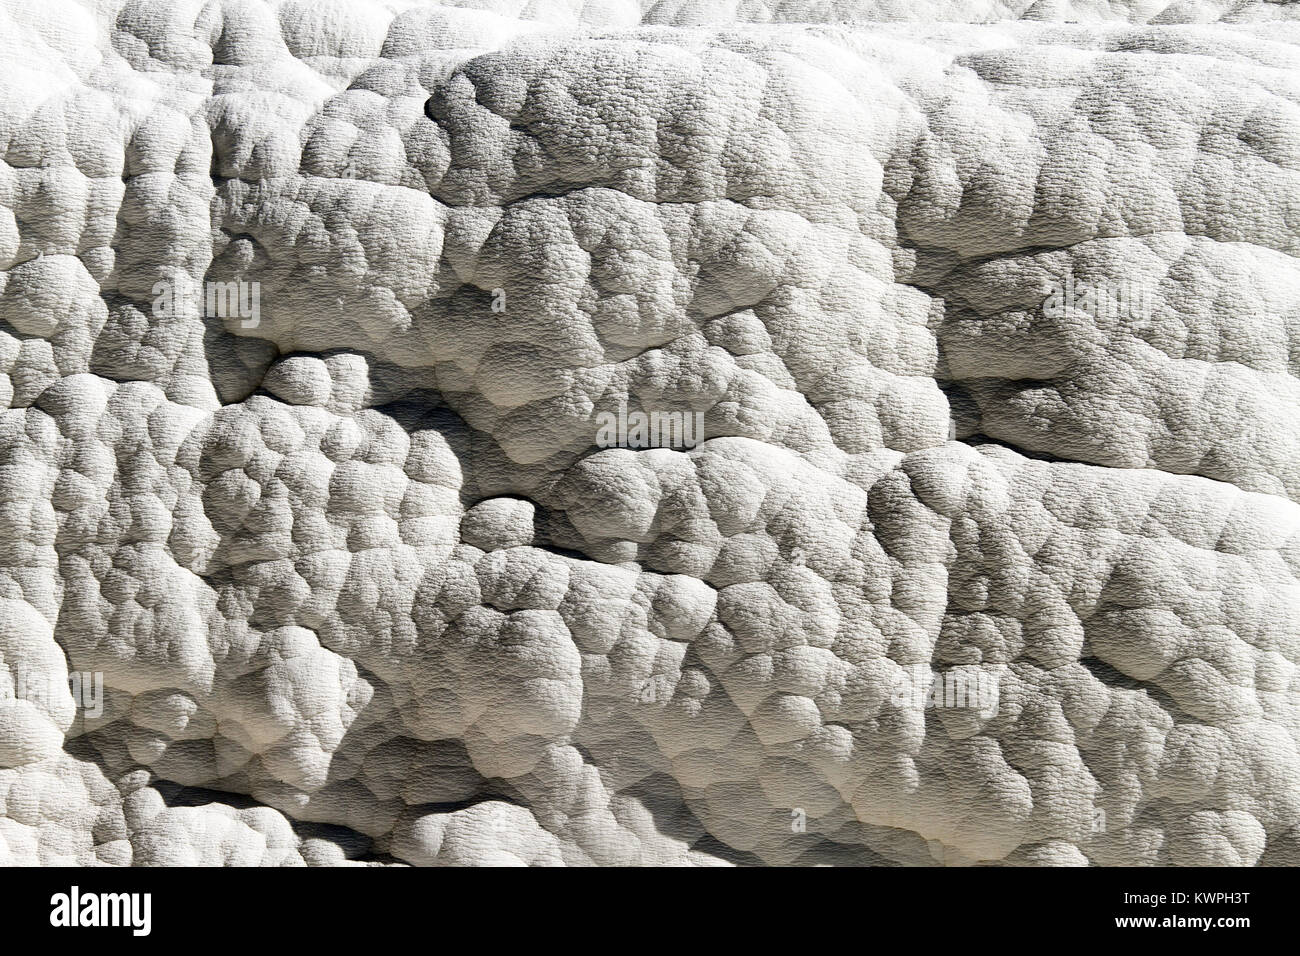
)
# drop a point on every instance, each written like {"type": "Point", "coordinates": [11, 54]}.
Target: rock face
{"type": "Point", "coordinates": [949, 513]}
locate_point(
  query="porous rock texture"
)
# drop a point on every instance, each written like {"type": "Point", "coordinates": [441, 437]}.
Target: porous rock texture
{"type": "Point", "coordinates": [363, 588]}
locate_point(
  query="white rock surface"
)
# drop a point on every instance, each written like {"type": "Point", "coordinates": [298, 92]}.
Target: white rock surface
{"type": "Point", "coordinates": [363, 587]}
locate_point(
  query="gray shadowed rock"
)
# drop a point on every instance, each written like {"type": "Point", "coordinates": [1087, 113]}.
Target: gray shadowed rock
{"type": "Point", "coordinates": [678, 432]}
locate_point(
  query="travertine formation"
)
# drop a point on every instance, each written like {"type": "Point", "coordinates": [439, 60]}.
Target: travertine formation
{"type": "Point", "coordinates": [308, 314]}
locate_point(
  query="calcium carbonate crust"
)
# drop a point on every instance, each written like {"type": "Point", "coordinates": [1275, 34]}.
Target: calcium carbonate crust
{"type": "Point", "coordinates": [363, 588]}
